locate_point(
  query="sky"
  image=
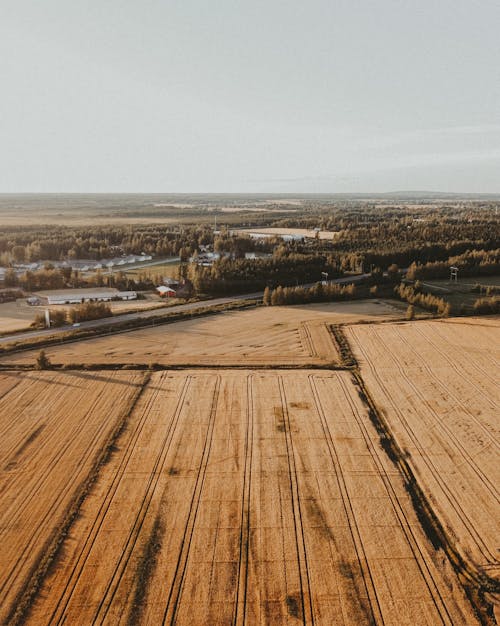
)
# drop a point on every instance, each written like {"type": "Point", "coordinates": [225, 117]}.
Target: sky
{"type": "Point", "coordinates": [280, 96]}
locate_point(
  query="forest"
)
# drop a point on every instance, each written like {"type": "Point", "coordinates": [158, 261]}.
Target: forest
{"type": "Point", "coordinates": [369, 238]}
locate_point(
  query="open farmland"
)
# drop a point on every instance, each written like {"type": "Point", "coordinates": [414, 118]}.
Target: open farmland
{"type": "Point", "coordinates": [294, 335]}
{"type": "Point", "coordinates": [55, 429]}
{"type": "Point", "coordinates": [248, 497]}
{"type": "Point", "coordinates": [436, 383]}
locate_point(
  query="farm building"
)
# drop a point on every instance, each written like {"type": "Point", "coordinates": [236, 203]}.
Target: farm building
{"type": "Point", "coordinates": [77, 296]}
{"type": "Point", "coordinates": [166, 292]}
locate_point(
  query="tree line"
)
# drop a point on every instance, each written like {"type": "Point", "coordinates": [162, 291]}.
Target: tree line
{"type": "Point", "coordinates": [307, 295]}
{"type": "Point", "coordinates": [79, 313]}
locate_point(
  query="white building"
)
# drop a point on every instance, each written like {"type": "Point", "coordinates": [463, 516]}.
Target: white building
{"type": "Point", "coordinates": [77, 296]}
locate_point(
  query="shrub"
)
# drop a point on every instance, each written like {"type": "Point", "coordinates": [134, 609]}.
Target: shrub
{"type": "Point", "coordinates": [43, 361]}
{"type": "Point", "coordinates": [89, 311]}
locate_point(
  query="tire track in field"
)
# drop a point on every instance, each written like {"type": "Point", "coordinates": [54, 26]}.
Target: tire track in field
{"type": "Point", "coordinates": [18, 407]}
{"type": "Point", "coordinates": [449, 432]}
{"type": "Point", "coordinates": [150, 488]}
{"type": "Point", "coordinates": [175, 594]}
{"type": "Point", "coordinates": [8, 379]}
{"type": "Point", "coordinates": [453, 366]}
{"type": "Point", "coordinates": [405, 524]}
{"type": "Point", "coordinates": [40, 486]}
{"type": "Point", "coordinates": [306, 340]}
{"type": "Point", "coordinates": [439, 331]}
{"type": "Point", "coordinates": [58, 614]}
{"type": "Point", "coordinates": [240, 606]}
{"type": "Point", "coordinates": [367, 577]}
{"type": "Point", "coordinates": [49, 551]}
{"type": "Point", "coordinates": [442, 423]}
{"type": "Point", "coordinates": [48, 441]}
{"type": "Point", "coordinates": [304, 578]}
{"type": "Point", "coordinates": [453, 502]}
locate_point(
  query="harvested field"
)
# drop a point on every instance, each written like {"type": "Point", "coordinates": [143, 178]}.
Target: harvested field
{"type": "Point", "coordinates": [54, 431]}
{"type": "Point", "coordinates": [436, 383]}
{"type": "Point", "coordinates": [251, 497]}
{"type": "Point", "coordinates": [293, 335]}
{"type": "Point", "coordinates": [16, 316]}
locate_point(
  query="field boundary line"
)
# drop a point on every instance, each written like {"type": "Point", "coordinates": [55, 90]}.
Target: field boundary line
{"type": "Point", "coordinates": [306, 339]}
{"type": "Point", "coordinates": [477, 586]}
{"type": "Point", "coordinates": [94, 529]}
{"type": "Point", "coordinates": [398, 508]}
{"type": "Point", "coordinates": [451, 497]}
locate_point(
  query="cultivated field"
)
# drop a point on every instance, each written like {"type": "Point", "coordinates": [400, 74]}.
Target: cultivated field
{"type": "Point", "coordinates": [55, 429]}
{"type": "Point", "coordinates": [295, 335]}
{"type": "Point", "coordinates": [257, 497]}
{"type": "Point", "coordinates": [436, 383]}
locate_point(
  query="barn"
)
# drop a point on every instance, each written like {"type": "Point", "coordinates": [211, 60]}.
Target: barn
{"type": "Point", "coordinates": [77, 296]}
{"type": "Point", "coordinates": [166, 292]}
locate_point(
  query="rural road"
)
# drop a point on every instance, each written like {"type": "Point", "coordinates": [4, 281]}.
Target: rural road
{"type": "Point", "coordinates": [192, 306]}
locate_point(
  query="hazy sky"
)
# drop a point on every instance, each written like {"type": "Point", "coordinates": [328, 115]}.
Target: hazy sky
{"type": "Point", "coordinates": [250, 95]}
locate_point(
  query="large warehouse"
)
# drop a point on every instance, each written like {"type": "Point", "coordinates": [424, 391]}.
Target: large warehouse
{"type": "Point", "coordinates": [77, 296]}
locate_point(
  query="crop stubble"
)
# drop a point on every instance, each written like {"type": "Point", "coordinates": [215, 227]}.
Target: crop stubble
{"type": "Point", "coordinates": [249, 497]}
{"type": "Point", "coordinates": [53, 428]}
{"type": "Point", "coordinates": [436, 383]}
{"type": "Point", "coordinates": [265, 336]}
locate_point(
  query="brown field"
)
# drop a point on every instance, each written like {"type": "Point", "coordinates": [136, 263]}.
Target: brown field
{"type": "Point", "coordinates": [254, 496]}
{"type": "Point", "coordinates": [436, 383]}
{"type": "Point", "coordinates": [294, 335]}
{"type": "Point", "coordinates": [250, 497]}
{"type": "Point", "coordinates": [54, 429]}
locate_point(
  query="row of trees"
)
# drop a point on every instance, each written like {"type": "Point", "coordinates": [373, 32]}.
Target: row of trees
{"type": "Point", "coordinates": [487, 306]}
{"type": "Point", "coordinates": [470, 263]}
{"type": "Point", "coordinates": [425, 301]}
{"type": "Point", "coordinates": [80, 313]}
{"type": "Point", "coordinates": [317, 293]}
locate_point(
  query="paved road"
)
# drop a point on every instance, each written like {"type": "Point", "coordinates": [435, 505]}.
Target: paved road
{"type": "Point", "coordinates": [192, 306]}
